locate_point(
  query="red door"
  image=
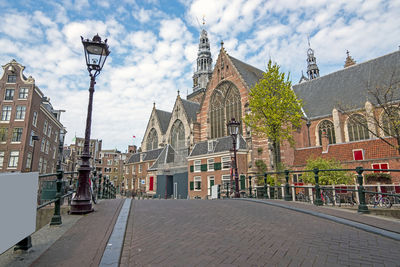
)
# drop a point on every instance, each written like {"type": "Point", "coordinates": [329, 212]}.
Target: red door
{"type": "Point", "coordinates": [151, 183]}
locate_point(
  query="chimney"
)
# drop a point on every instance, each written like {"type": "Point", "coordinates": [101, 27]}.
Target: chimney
{"type": "Point", "coordinates": [325, 142]}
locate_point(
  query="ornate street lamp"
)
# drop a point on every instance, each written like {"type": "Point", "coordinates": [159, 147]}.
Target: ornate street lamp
{"type": "Point", "coordinates": [96, 52]}
{"type": "Point", "coordinates": [233, 128]}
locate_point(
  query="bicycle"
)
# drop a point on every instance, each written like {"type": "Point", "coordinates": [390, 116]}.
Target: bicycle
{"type": "Point", "coordinates": [302, 197]}
{"type": "Point", "coordinates": [379, 200]}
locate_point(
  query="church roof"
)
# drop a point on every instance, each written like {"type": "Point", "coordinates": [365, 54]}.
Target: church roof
{"type": "Point", "coordinates": [148, 155]}
{"type": "Point", "coordinates": [221, 144]}
{"type": "Point", "coordinates": [191, 109]}
{"type": "Point", "coordinates": [348, 88]}
{"type": "Point", "coordinates": [164, 118]}
{"type": "Point", "coordinates": [167, 155]}
{"type": "Point", "coordinates": [250, 74]}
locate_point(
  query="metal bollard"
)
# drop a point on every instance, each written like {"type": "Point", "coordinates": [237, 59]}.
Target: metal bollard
{"type": "Point", "coordinates": [362, 207]}
{"type": "Point", "coordinates": [287, 193]}
{"type": "Point", "coordinates": [250, 192]}
{"type": "Point", "coordinates": [318, 200]}
{"type": "Point", "coordinates": [265, 186]}
{"type": "Point", "coordinates": [56, 219]}
{"type": "Point", "coordinates": [99, 189]}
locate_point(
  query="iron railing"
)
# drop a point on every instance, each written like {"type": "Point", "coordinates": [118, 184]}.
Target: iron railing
{"type": "Point", "coordinates": [358, 194]}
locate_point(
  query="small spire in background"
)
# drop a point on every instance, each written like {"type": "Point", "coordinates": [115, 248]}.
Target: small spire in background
{"type": "Point", "coordinates": [204, 19]}
{"type": "Point", "coordinates": [349, 60]}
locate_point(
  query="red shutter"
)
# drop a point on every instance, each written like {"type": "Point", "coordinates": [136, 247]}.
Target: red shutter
{"type": "Point", "coordinates": [358, 154]}
{"type": "Point", "coordinates": [151, 183]}
{"type": "Point", "coordinates": [384, 166]}
{"type": "Point", "coordinates": [375, 166]}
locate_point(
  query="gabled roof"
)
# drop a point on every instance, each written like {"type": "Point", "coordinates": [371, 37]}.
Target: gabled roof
{"type": "Point", "coordinates": [167, 155]}
{"type": "Point", "coordinates": [250, 74]}
{"type": "Point", "coordinates": [222, 144]}
{"type": "Point", "coordinates": [191, 109]}
{"type": "Point", "coordinates": [164, 117]}
{"type": "Point", "coordinates": [148, 155]}
{"type": "Point", "coordinates": [348, 88]}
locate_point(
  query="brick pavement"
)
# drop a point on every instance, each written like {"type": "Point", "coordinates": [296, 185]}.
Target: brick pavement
{"type": "Point", "coordinates": [239, 233]}
{"type": "Point", "coordinates": [84, 243]}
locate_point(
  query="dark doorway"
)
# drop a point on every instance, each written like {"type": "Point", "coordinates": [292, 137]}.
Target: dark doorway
{"type": "Point", "coordinates": [169, 186]}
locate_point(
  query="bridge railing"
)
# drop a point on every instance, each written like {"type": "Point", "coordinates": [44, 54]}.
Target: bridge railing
{"type": "Point", "coordinates": [357, 194]}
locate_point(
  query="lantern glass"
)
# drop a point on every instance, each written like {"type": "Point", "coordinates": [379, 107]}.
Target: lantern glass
{"type": "Point", "coordinates": [233, 127]}
{"type": "Point", "coordinates": [96, 53]}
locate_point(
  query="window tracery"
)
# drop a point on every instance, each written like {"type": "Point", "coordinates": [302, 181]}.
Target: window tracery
{"type": "Point", "coordinates": [152, 140]}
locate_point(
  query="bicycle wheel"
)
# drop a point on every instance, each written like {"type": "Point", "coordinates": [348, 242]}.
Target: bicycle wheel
{"type": "Point", "coordinates": [386, 202]}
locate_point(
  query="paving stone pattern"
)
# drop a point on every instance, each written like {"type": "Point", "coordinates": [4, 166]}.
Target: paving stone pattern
{"type": "Point", "coordinates": [239, 233]}
{"type": "Point", "coordinates": [84, 243]}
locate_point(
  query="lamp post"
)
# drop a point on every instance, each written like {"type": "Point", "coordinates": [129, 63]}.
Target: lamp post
{"type": "Point", "coordinates": [233, 127]}
{"type": "Point", "coordinates": [96, 52]}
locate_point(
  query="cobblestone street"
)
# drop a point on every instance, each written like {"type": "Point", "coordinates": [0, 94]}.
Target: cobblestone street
{"type": "Point", "coordinates": [239, 233]}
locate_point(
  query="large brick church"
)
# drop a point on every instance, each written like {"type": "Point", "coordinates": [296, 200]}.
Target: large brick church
{"type": "Point", "coordinates": [187, 150]}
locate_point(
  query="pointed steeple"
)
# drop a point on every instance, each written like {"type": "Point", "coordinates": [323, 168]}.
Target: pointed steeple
{"type": "Point", "coordinates": [349, 60]}
{"type": "Point", "coordinates": [204, 63]}
{"type": "Point", "coordinates": [312, 68]}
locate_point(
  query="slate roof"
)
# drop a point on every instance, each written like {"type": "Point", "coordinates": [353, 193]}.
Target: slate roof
{"type": "Point", "coordinates": [191, 108]}
{"type": "Point", "coordinates": [250, 74]}
{"type": "Point", "coordinates": [148, 155]}
{"type": "Point", "coordinates": [348, 88]}
{"type": "Point", "coordinates": [167, 155]}
{"type": "Point", "coordinates": [221, 144]}
{"type": "Point", "coordinates": [164, 118]}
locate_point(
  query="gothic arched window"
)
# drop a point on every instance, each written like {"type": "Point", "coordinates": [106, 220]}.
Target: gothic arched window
{"type": "Point", "coordinates": [357, 127]}
{"type": "Point", "coordinates": [177, 136]}
{"type": "Point", "coordinates": [390, 121]}
{"type": "Point", "coordinates": [152, 140]}
{"type": "Point", "coordinates": [225, 104]}
{"type": "Point", "coordinates": [326, 127]}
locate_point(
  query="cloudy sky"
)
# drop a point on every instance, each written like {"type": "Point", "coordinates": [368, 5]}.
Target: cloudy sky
{"type": "Point", "coordinates": [154, 46]}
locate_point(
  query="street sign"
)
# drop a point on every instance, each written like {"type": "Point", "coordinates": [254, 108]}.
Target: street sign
{"type": "Point", "coordinates": [143, 181]}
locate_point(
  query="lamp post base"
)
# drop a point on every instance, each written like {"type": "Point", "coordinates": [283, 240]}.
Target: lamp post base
{"type": "Point", "coordinates": [81, 206]}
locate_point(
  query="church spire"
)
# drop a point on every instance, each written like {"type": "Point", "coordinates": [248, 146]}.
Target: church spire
{"type": "Point", "coordinates": [204, 62]}
{"type": "Point", "coordinates": [349, 60]}
{"type": "Point", "coordinates": [312, 68]}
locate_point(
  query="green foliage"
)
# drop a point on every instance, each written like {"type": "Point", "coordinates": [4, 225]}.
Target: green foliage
{"type": "Point", "coordinates": [275, 111]}
{"type": "Point", "coordinates": [372, 178]}
{"type": "Point", "coordinates": [328, 177]}
{"type": "Point", "coordinates": [261, 166]}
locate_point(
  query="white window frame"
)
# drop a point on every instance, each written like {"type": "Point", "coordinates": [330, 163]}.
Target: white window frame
{"type": "Point", "coordinates": [28, 161]}
{"type": "Point", "coordinates": [9, 90]}
{"type": "Point", "coordinates": [210, 146]}
{"type": "Point", "coordinates": [34, 118]}
{"type": "Point", "coordinates": [20, 113]}
{"type": "Point", "coordinates": [49, 130]}
{"type": "Point", "coordinates": [210, 163]}
{"type": "Point", "coordinates": [44, 165]}
{"type": "Point", "coordinates": [24, 91]}
{"type": "Point", "coordinates": [47, 146]}
{"type": "Point", "coordinates": [225, 160]}
{"type": "Point", "coordinates": [196, 180]}
{"type": "Point", "coordinates": [13, 161]}
{"type": "Point", "coordinates": [133, 169]}
{"type": "Point", "coordinates": [43, 145]}
{"type": "Point", "coordinates": [1, 159]}
{"type": "Point", "coordinates": [45, 127]}
{"type": "Point", "coordinates": [226, 177]}
{"type": "Point", "coordinates": [40, 165]}
{"type": "Point", "coordinates": [6, 113]}
{"type": "Point", "coordinates": [140, 168]}
{"type": "Point", "coordinates": [18, 134]}
{"type": "Point", "coordinates": [197, 166]}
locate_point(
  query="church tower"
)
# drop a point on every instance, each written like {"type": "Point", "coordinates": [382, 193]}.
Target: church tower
{"type": "Point", "coordinates": [312, 68]}
{"type": "Point", "coordinates": [204, 63]}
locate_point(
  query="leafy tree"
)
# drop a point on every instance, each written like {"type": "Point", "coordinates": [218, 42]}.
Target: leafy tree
{"type": "Point", "coordinates": [327, 178]}
{"type": "Point", "coordinates": [275, 111]}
